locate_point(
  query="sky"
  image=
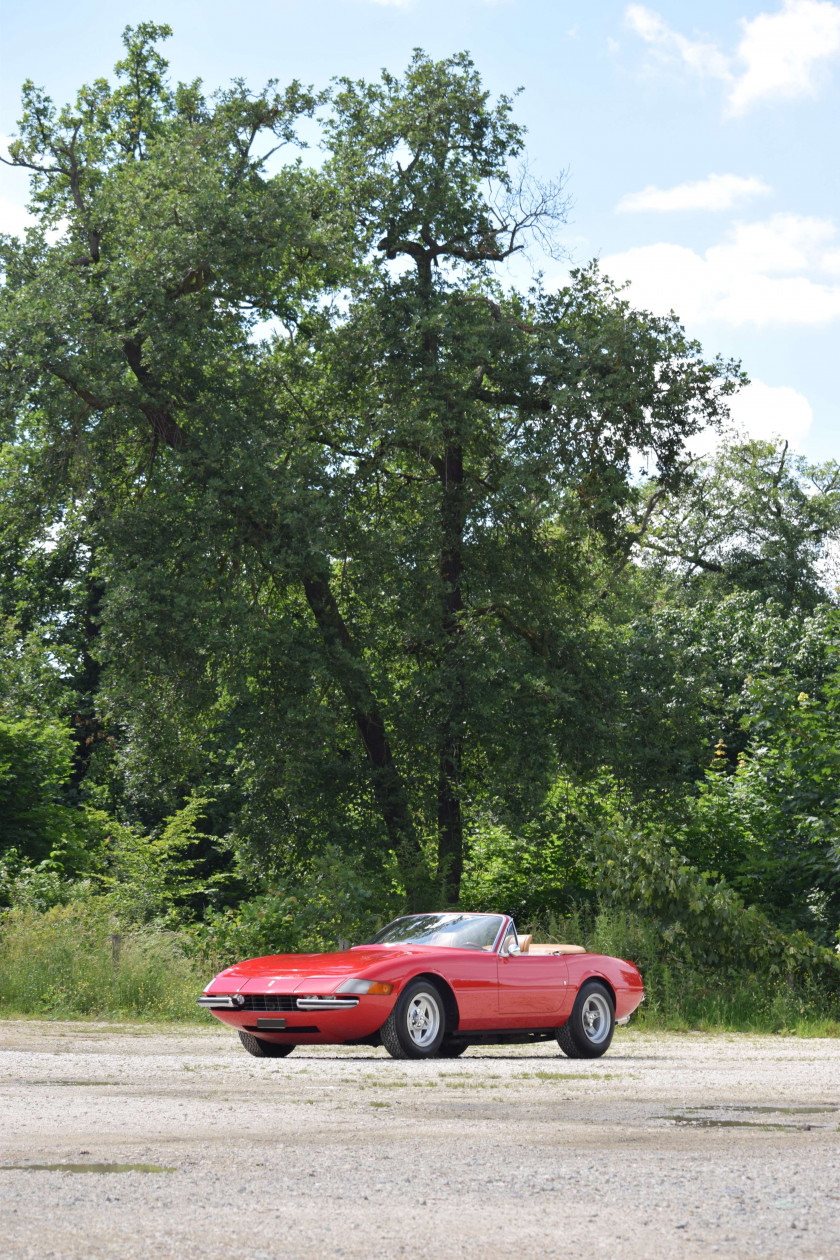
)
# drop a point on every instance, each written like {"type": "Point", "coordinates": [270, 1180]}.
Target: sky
{"type": "Point", "coordinates": [699, 143]}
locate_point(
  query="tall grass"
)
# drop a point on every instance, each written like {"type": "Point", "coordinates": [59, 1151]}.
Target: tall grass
{"type": "Point", "coordinates": [69, 962]}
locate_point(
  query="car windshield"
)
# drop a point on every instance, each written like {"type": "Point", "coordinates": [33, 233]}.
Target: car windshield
{"type": "Point", "coordinates": [459, 931]}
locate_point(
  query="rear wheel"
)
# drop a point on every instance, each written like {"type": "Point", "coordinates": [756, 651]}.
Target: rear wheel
{"type": "Point", "coordinates": [589, 1029]}
{"type": "Point", "coordinates": [264, 1049]}
{"type": "Point", "coordinates": [416, 1027]}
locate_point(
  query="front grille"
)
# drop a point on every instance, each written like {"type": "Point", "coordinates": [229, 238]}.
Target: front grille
{"type": "Point", "coordinates": [268, 1002]}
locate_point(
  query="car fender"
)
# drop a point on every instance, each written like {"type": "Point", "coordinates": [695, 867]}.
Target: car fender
{"type": "Point", "coordinates": [621, 978]}
{"type": "Point", "coordinates": [453, 1014]}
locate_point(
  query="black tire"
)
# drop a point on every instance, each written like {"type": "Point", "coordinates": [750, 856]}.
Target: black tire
{"type": "Point", "coordinates": [588, 1031]}
{"type": "Point", "coordinates": [452, 1048]}
{"type": "Point", "coordinates": [404, 1034]}
{"type": "Point", "coordinates": [264, 1049]}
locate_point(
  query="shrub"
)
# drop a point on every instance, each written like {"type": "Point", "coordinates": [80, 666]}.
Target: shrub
{"type": "Point", "coordinates": [700, 921]}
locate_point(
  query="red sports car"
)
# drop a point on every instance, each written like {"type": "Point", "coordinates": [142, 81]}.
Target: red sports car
{"type": "Point", "coordinates": [429, 986]}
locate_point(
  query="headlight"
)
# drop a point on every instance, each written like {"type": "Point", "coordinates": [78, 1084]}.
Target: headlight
{"type": "Point", "coordinates": [365, 986]}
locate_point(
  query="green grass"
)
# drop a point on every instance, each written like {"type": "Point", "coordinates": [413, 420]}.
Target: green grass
{"type": "Point", "coordinates": [761, 1005]}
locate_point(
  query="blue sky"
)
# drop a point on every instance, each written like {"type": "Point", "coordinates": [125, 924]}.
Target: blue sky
{"type": "Point", "coordinates": [700, 142]}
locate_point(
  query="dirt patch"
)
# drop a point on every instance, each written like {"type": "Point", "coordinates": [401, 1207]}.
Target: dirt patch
{"type": "Point", "coordinates": [669, 1146]}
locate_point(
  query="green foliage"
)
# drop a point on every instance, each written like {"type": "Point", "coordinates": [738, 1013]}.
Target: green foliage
{"type": "Point", "coordinates": [696, 671]}
{"type": "Point", "coordinates": [37, 887]}
{"type": "Point", "coordinates": [36, 827]}
{"type": "Point", "coordinates": [377, 527]}
{"type": "Point", "coordinates": [702, 922]}
{"type": "Point", "coordinates": [334, 901]}
{"type": "Point", "coordinates": [538, 869]}
{"type": "Point", "coordinates": [775, 822]}
{"type": "Point", "coordinates": [66, 962]}
{"type": "Point", "coordinates": [751, 517]}
{"type": "Point", "coordinates": [34, 762]}
{"type": "Point", "coordinates": [155, 877]}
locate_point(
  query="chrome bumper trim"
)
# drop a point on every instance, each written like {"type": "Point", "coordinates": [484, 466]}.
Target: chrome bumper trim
{"type": "Point", "coordinates": [625, 1019]}
{"type": "Point", "coordinates": [236, 1001]}
{"type": "Point", "coordinates": [326, 1003]}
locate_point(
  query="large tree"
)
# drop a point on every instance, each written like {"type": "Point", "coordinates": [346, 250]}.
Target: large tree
{"type": "Point", "coordinates": [411, 490]}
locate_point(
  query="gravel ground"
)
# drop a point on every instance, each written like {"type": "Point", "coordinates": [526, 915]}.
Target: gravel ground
{"type": "Point", "coordinates": [672, 1145]}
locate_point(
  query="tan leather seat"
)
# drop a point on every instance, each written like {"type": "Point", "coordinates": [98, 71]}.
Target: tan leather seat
{"type": "Point", "coordinates": [556, 949]}
{"type": "Point", "coordinates": [525, 944]}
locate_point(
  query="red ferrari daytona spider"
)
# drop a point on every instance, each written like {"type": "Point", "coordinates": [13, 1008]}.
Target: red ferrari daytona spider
{"type": "Point", "coordinates": [426, 986]}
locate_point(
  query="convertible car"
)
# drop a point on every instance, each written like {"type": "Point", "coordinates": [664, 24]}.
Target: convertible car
{"type": "Point", "coordinates": [429, 986]}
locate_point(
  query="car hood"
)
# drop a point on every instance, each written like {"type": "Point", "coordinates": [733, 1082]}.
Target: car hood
{"type": "Point", "coordinates": [321, 973]}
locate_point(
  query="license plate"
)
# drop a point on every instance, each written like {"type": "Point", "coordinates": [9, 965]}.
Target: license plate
{"type": "Point", "coordinates": [272, 1025]}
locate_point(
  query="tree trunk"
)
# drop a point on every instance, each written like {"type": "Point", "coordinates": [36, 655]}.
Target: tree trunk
{"type": "Point", "coordinates": [351, 675]}
{"type": "Point", "coordinates": [450, 746]}
{"type": "Point", "coordinates": [86, 723]}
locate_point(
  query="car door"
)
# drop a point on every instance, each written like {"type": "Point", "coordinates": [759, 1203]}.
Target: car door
{"type": "Point", "coordinates": [474, 979]}
{"type": "Point", "coordinates": [533, 989]}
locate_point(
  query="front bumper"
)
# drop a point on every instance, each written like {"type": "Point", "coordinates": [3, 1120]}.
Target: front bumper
{"type": "Point", "coordinates": [288, 1017]}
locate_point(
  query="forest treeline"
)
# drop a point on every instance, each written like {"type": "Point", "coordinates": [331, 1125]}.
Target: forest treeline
{"type": "Point", "coordinates": [344, 572]}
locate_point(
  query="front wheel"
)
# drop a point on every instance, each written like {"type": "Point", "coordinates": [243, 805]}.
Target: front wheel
{"type": "Point", "coordinates": [416, 1027]}
{"type": "Point", "coordinates": [264, 1049]}
{"type": "Point", "coordinates": [589, 1029]}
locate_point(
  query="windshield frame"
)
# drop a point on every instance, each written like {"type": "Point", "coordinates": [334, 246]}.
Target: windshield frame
{"type": "Point", "coordinates": [501, 935]}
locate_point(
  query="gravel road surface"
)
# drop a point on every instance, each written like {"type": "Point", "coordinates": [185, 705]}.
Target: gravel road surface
{"type": "Point", "coordinates": [672, 1146]}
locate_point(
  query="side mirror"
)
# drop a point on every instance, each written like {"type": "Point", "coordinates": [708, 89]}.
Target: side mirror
{"type": "Point", "coordinates": [512, 949]}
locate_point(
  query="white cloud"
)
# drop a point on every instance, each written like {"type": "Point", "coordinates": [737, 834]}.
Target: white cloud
{"type": "Point", "coordinates": [776, 271]}
{"type": "Point", "coordinates": [702, 57]}
{"type": "Point", "coordinates": [766, 412]}
{"type": "Point", "coordinates": [14, 218]}
{"type": "Point", "coordinates": [772, 411]}
{"type": "Point", "coordinates": [780, 51]}
{"type": "Point", "coordinates": [779, 55]}
{"type": "Point", "coordinates": [715, 192]}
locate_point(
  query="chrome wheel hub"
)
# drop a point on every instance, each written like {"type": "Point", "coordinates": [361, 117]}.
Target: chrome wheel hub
{"type": "Point", "coordinates": [596, 1018]}
{"type": "Point", "coordinates": [423, 1019]}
